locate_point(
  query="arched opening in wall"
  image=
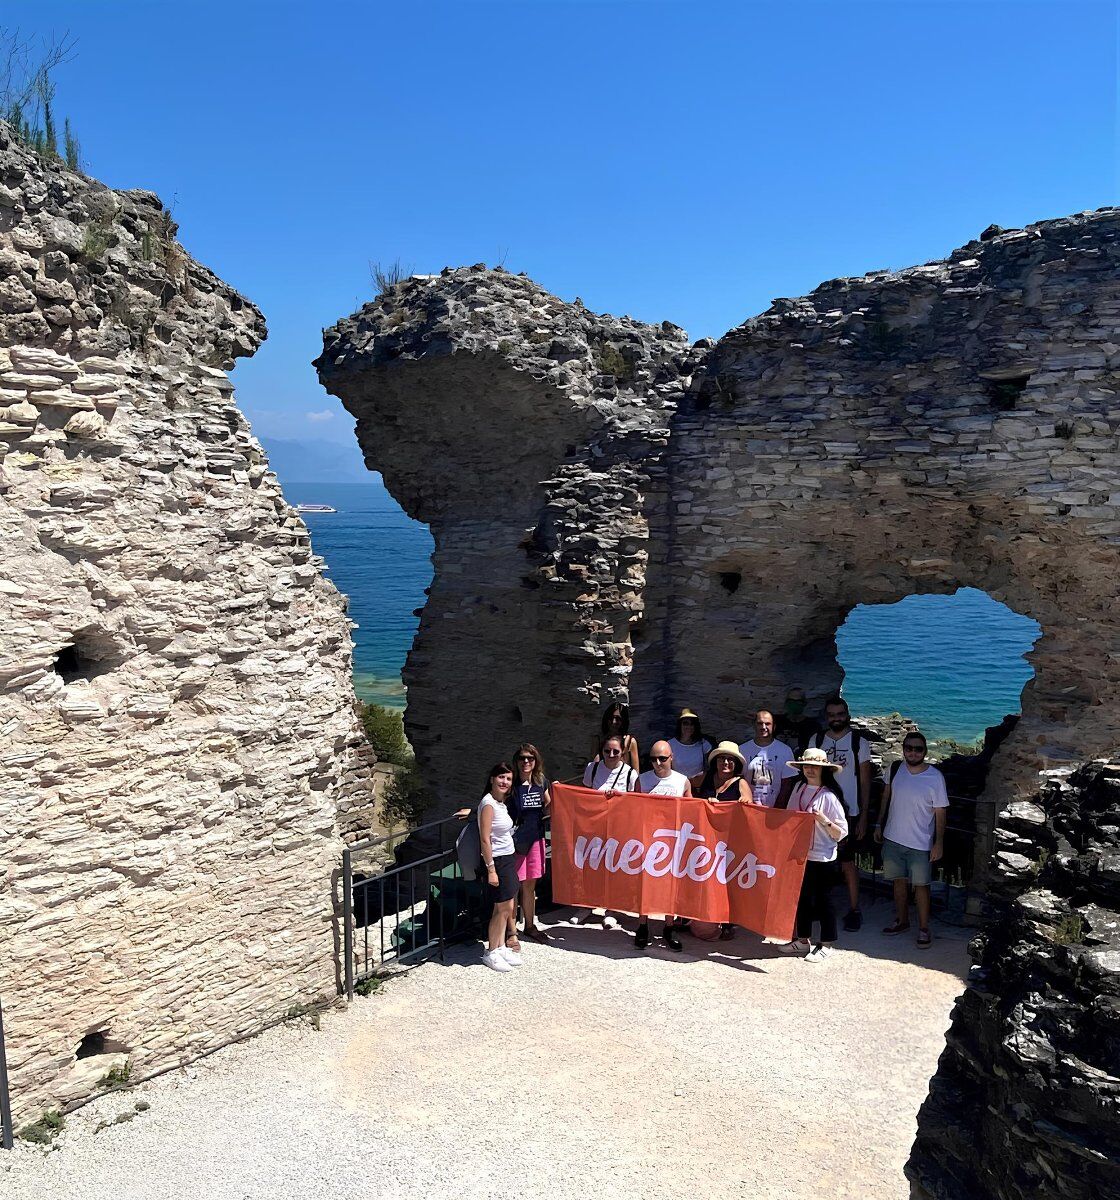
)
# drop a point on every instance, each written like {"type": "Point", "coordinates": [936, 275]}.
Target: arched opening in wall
{"type": "Point", "coordinates": [955, 667]}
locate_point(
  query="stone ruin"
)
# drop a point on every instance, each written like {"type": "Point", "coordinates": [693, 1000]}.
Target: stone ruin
{"type": "Point", "coordinates": [179, 751]}
{"type": "Point", "coordinates": [619, 514]}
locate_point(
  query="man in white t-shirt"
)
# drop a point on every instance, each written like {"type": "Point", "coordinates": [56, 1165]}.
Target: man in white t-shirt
{"type": "Point", "coordinates": [661, 781]}
{"type": "Point", "coordinates": [912, 829]}
{"type": "Point", "coordinates": [849, 749]}
{"type": "Point", "coordinates": [766, 764]}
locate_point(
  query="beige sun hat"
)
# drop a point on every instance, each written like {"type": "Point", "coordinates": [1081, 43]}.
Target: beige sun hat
{"type": "Point", "coordinates": [728, 748]}
{"type": "Point", "coordinates": [813, 758]}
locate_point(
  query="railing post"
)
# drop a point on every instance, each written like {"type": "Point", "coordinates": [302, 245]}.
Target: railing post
{"type": "Point", "coordinates": [5, 1100]}
{"type": "Point", "coordinates": [347, 923]}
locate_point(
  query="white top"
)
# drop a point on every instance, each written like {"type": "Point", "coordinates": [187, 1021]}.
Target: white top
{"type": "Point", "coordinates": [690, 760]}
{"type": "Point", "coordinates": [847, 778]}
{"type": "Point", "coordinates": [501, 830]}
{"type": "Point", "coordinates": [910, 820]}
{"type": "Point", "coordinates": [672, 785]}
{"type": "Point", "coordinates": [766, 769]}
{"type": "Point", "coordinates": [819, 799]}
{"type": "Point", "coordinates": [602, 778]}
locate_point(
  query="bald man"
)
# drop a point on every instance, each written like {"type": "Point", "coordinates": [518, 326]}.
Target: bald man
{"type": "Point", "coordinates": [766, 764]}
{"type": "Point", "coordinates": [662, 780]}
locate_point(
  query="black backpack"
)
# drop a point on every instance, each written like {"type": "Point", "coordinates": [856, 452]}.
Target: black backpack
{"type": "Point", "coordinates": [857, 741]}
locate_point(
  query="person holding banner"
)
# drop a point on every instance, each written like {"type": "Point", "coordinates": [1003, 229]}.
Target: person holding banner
{"type": "Point", "coordinates": [661, 781]}
{"type": "Point", "coordinates": [723, 781]}
{"type": "Point", "coordinates": [608, 772]}
{"type": "Point", "coordinates": [495, 833]}
{"type": "Point", "coordinates": [817, 793]}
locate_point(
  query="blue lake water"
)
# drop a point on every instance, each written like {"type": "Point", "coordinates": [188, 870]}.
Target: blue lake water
{"type": "Point", "coordinates": [953, 663]}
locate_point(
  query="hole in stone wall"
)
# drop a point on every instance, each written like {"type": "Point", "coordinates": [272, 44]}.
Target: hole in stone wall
{"type": "Point", "coordinates": [1003, 389]}
{"type": "Point", "coordinates": [99, 1042]}
{"type": "Point", "coordinates": [517, 716]}
{"type": "Point", "coordinates": [91, 1044]}
{"type": "Point", "coordinates": [86, 657]}
{"type": "Point", "coordinates": [730, 580]}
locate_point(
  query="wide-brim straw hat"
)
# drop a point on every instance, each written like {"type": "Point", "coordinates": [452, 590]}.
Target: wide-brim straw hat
{"type": "Point", "coordinates": [814, 758]}
{"type": "Point", "coordinates": [728, 748]}
{"type": "Point", "coordinates": [687, 714]}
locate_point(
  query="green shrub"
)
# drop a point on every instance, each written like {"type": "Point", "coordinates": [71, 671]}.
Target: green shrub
{"type": "Point", "coordinates": [612, 362]}
{"type": "Point", "coordinates": [406, 798]}
{"type": "Point", "coordinates": [117, 1077]}
{"type": "Point", "coordinates": [43, 1131]}
{"type": "Point", "coordinates": [385, 730]}
{"type": "Point", "coordinates": [1069, 930]}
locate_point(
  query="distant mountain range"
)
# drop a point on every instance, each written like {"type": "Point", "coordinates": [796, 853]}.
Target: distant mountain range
{"type": "Point", "coordinates": [316, 461]}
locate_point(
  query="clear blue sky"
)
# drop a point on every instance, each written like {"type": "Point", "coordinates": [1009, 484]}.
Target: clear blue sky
{"type": "Point", "coordinates": [663, 158]}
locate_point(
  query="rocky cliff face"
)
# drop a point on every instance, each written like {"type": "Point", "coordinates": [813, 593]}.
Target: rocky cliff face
{"type": "Point", "coordinates": [178, 734]}
{"type": "Point", "coordinates": [618, 514]}
{"type": "Point", "coordinates": [1026, 1100]}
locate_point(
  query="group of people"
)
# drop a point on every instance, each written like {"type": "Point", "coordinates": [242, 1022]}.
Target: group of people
{"type": "Point", "coordinates": [790, 762]}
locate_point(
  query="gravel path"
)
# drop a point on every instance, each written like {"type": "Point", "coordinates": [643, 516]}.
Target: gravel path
{"type": "Point", "coordinates": [727, 1069]}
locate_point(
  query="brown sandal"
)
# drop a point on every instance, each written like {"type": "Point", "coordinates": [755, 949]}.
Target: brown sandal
{"type": "Point", "coordinates": [537, 934]}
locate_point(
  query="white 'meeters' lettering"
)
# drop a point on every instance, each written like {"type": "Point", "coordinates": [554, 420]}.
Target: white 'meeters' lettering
{"type": "Point", "coordinates": [671, 854]}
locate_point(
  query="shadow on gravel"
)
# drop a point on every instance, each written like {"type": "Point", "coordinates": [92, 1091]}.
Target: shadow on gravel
{"type": "Point", "coordinates": [947, 954]}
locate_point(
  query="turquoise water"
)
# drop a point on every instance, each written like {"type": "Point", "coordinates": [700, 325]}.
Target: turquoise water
{"type": "Point", "coordinates": [382, 561]}
{"type": "Point", "coordinates": [953, 663]}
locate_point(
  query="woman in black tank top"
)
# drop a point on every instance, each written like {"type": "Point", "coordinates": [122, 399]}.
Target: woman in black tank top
{"type": "Point", "coordinates": [723, 781]}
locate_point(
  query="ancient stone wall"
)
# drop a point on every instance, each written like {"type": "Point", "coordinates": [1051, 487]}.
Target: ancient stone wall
{"type": "Point", "coordinates": [526, 432]}
{"type": "Point", "coordinates": [179, 747]}
{"type": "Point", "coordinates": [1026, 1100]}
{"type": "Point", "coordinates": [691, 525]}
{"type": "Point", "coordinates": [619, 514]}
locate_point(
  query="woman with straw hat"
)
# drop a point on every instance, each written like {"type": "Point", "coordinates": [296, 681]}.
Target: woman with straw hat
{"type": "Point", "coordinates": [816, 792]}
{"type": "Point", "coordinates": [723, 781]}
{"type": "Point", "coordinates": [690, 747]}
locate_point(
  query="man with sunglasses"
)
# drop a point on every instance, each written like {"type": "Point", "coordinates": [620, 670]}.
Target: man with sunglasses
{"type": "Point", "coordinates": [911, 827]}
{"type": "Point", "coordinates": [661, 781]}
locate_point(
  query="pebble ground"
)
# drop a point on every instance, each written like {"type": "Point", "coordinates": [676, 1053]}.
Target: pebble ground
{"type": "Point", "coordinates": [596, 1070]}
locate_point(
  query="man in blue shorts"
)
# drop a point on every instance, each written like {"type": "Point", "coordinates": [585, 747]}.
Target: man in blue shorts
{"type": "Point", "coordinates": [911, 827]}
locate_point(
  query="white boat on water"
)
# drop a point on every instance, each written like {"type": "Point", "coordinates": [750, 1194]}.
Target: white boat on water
{"type": "Point", "coordinates": [314, 508]}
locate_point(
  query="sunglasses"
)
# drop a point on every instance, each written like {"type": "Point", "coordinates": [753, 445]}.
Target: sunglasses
{"type": "Point", "coordinates": [660, 758]}
{"type": "Point", "coordinates": [612, 753]}
{"type": "Point", "coordinates": [913, 749]}
{"type": "Point", "coordinates": [526, 758]}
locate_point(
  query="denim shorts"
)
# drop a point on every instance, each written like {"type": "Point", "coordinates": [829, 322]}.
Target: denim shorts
{"type": "Point", "coordinates": [900, 862]}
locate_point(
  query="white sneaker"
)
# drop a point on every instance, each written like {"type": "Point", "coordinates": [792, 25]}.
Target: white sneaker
{"type": "Point", "coordinates": [609, 922]}
{"type": "Point", "coordinates": [496, 960]}
{"type": "Point", "coordinates": [797, 946]}
{"type": "Point", "coordinates": [819, 954]}
{"type": "Point", "coordinates": [513, 957]}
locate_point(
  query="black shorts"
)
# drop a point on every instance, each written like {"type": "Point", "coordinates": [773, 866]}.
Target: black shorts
{"type": "Point", "coordinates": [508, 883]}
{"type": "Point", "coordinates": [849, 847]}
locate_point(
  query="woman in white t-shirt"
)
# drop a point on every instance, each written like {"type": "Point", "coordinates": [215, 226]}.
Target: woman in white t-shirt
{"type": "Point", "coordinates": [495, 834]}
{"type": "Point", "coordinates": [610, 772]}
{"type": "Point", "coordinates": [817, 793]}
{"type": "Point", "coordinates": [690, 747]}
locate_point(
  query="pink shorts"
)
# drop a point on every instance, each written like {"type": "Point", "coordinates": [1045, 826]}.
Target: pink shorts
{"type": "Point", "coordinates": [531, 865]}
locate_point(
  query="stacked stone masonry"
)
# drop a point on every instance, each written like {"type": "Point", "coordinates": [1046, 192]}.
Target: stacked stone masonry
{"type": "Point", "coordinates": [618, 514]}
{"type": "Point", "coordinates": [178, 744]}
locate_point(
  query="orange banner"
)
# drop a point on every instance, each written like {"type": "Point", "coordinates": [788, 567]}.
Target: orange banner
{"type": "Point", "coordinates": [689, 858]}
